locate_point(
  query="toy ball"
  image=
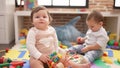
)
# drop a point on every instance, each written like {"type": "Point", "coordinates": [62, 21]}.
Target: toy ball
{"type": "Point", "coordinates": [116, 43]}
{"type": "Point", "coordinates": [111, 42]}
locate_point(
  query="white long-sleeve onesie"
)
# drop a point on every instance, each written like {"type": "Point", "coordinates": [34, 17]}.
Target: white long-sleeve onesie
{"type": "Point", "coordinates": [39, 41]}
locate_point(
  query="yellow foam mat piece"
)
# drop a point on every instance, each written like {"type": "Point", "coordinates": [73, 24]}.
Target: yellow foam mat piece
{"type": "Point", "coordinates": [116, 53]}
{"type": "Point", "coordinates": [13, 55]}
{"type": "Point", "coordinates": [26, 56]}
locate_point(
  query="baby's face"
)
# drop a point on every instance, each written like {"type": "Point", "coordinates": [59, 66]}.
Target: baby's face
{"type": "Point", "coordinates": [93, 25]}
{"type": "Point", "coordinates": [41, 19]}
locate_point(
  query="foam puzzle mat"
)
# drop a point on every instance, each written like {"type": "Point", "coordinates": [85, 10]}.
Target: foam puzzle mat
{"type": "Point", "coordinates": [110, 60]}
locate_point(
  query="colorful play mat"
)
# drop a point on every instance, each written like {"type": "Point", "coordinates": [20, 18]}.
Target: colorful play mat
{"type": "Point", "coordinates": [110, 59]}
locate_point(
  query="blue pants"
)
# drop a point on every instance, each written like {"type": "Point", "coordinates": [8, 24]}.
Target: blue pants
{"type": "Point", "coordinates": [90, 55]}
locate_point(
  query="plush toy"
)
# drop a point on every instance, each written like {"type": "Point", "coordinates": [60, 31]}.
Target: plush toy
{"type": "Point", "coordinates": [68, 33]}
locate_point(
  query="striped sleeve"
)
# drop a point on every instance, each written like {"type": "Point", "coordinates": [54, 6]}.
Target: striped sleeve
{"type": "Point", "coordinates": [30, 43]}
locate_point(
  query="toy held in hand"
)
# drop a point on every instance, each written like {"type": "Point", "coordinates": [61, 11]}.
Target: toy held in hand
{"type": "Point", "coordinates": [79, 40]}
{"type": "Point", "coordinates": [55, 58]}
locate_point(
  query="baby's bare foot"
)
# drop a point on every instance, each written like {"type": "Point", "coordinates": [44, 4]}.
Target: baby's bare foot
{"type": "Point", "coordinates": [86, 65]}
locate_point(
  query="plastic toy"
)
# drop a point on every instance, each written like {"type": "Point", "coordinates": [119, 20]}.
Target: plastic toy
{"type": "Point", "coordinates": [111, 42]}
{"type": "Point", "coordinates": [16, 64]}
{"type": "Point", "coordinates": [29, 4]}
{"type": "Point", "coordinates": [9, 63]}
{"type": "Point", "coordinates": [68, 33]}
{"type": "Point", "coordinates": [4, 65]}
{"type": "Point", "coordinates": [107, 60]}
{"type": "Point", "coordinates": [24, 31]}
{"type": "Point", "coordinates": [55, 57]}
{"type": "Point", "coordinates": [113, 45]}
{"type": "Point", "coordinates": [112, 36]}
{"type": "Point", "coordinates": [23, 41]}
{"type": "Point", "coordinates": [22, 36]}
{"type": "Point", "coordinates": [6, 50]}
{"type": "Point", "coordinates": [105, 54]}
{"type": "Point", "coordinates": [61, 45]}
{"type": "Point", "coordinates": [3, 60]}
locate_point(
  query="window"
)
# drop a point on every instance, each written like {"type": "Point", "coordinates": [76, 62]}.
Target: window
{"type": "Point", "coordinates": [19, 2]}
{"type": "Point", "coordinates": [116, 4]}
{"type": "Point", "coordinates": [60, 3]}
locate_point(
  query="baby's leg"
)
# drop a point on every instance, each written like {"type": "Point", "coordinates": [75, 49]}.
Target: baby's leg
{"type": "Point", "coordinates": [92, 55]}
{"type": "Point", "coordinates": [76, 48]}
{"type": "Point", "coordinates": [35, 63]}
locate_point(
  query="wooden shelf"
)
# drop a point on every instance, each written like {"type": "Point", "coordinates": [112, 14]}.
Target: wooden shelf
{"type": "Point", "coordinates": [18, 19]}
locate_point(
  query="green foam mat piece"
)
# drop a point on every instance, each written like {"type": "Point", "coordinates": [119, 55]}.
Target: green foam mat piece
{"type": "Point", "coordinates": [101, 64]}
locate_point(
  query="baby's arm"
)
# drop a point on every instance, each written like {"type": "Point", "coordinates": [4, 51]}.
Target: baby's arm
{"type": "Point", "coordinates": [30, 43]}
{"type": "Point", "coordinates": [101, 43]}
{"type": "Point", "coordinates": [81, 40]}
{"type": "Point", "coordinates": [44, 58]}
{"type": "Point", "coordinates": [91, 47]}
{"type": "Point", "coordinates": [58, 49]}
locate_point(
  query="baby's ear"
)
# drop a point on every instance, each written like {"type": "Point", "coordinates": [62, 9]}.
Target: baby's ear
{"type": "Point", "coordinates": [101, 23]}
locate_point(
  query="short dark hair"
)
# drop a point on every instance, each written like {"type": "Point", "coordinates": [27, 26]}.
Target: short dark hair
{"type": "Point", "coordinates": [96, 15]}
{"type": "Point", "coordinates": [36, 9]}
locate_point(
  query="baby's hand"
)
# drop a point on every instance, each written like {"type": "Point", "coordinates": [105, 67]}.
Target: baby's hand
{"type": "Point", "coordinates": [44, 58]}
{"type": "Point", "coordinates": [79, 40]}
{"type": "Point", "coordinates": [85, 49]}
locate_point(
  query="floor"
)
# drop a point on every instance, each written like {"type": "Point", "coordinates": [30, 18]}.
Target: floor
{"type": "Point", "coordinates": [4, 46]}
